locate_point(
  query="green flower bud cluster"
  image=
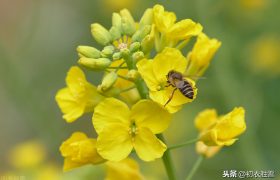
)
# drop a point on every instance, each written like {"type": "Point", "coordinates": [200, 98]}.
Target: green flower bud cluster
{"type": "Point", "coordinates": [126, 41]}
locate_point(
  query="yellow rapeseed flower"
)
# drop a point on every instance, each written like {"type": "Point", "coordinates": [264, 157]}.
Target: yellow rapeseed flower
{"type": "Point", "coordinates": [78, 97]}
{"type": "Point", "coordinates": [121, 129]}
{"type": "Point", "coordinates": [264, 55]}
{"type": "Point", "coordinates": [126, 169]}
{"type": "Point", "coordinates": [154, 73]}
{"type": "Point", "coordinates": [223, 130]}
{"type": "Point", "coordinates": [170, 31]}
{"type": "Point", "coordinates": [27, 155]}
{"type": "Point", "coordinates": [201, 55]}
{"type": "Point", "coordinates": [79, 150]}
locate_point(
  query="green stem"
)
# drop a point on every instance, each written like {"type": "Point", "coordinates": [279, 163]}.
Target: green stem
{"type": "Point", "coordinates": [167, 161]}
{"type": "Point", "coordinates": [183, 144]}
{"type": "Point", "coordinates": [195, 167]}
{"type": "Point", "coordinates": [182, 44]}
{"type": "Point", "coordinates": [140, 84]}
{"type": "Point", "coordinates": [142, 88]}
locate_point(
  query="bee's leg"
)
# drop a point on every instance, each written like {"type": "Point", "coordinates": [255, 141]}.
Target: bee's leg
{"type": "Point", "coordinates": [171, 96]}
{"type": "Point", "coordinates": [169, 84]}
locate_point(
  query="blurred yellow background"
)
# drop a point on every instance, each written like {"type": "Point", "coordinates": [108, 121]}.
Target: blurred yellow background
{"type": "Point", "coordinates": [38, 40]}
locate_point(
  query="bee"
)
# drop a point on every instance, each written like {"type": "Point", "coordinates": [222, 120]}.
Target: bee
{"type": "Point", "coordinates": [176, 80]}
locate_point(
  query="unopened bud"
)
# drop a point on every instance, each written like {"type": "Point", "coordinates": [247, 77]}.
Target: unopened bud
{"type": "Point", "coordinates": [108, 51]}
{"type": "Point", "coordinates": [117, 55]}
{"type": "Point", "coordinates": [95, 64]}
{"type": "Point", "coordinates": [128, 23]}
{"type": "Point", "coordinates": [147, 44]}
{"type": "Point", "coordinates": [138, 56]}
{"type": "Point", "coordinates": [141, 33]}
{"type": "Point", "coordinates": [125, 52]}
{"type": "Point", "coordinates": [147, 18]}
{"type": "Point", "coordinates": [88, 51]}
{"type": "Point", "coordinates": [112, 92]}
{"type": "Point", "coordinates": [133, 74]}
{"type": "Point", "coordinates": [117, 21]}
{"type": "Point", "coordinates": [134, 46]}
{"type": "Point", "coordinates": [115, 33]}
{"type": "Point", "coordinates": [108, 81]}
{"type": "Point", "coordinates": [100, 34]}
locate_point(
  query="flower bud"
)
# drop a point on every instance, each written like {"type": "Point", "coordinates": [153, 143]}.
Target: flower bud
{"type": "Point", "coordinates": [147, 18]}
{"type": "Point", "coordinates": [117, 21]}
{"type": "Point", "coordinates": [108, 81]}
{"type": "Point", "coordinates": [95, 64]}
{"type": "Point", "coordinates": [88, 51]}
{"type": "Point", "coordinates": [201, 55]}
{"type": "Point", "coordinates": [147, 43]}
{"type": "Point", "coordinates": [128, 23]}
{"type": "Point", "coordinates": [112, 92]}
{"type": "Point", "coordinates": [125, 52]}
{"type": "Point", "coordinates": [100, 34]}
{"type": "Point", "coordinates": [115, 33]}
{"type": "Point", "coordinates": [134, 46]}
{"type": "Point", "coordinates": [138, 56]}
{"type": "Point", "coordinates": [133, 74]}
{"type": "Point", "coordinates": [117, 56]}
{"type": "Point", "coordinates": [108, 51]}
{"type": "Point", "coordinates": [141, 33]}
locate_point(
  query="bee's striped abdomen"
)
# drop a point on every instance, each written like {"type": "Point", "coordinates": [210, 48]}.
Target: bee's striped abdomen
{"type": "Point", "coordinates": [187, 90]}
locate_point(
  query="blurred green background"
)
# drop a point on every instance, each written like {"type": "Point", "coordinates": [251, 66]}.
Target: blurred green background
{"type": "Point", "coordinates": [38, 39]}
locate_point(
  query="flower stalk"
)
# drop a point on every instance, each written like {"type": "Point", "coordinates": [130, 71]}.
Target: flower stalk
{"type": "Point", "coordinates": [195, 167]}
{"type": "Point", "coordinates": [192, 141]}
{"type": "Point", "coordinates": [167, 161]}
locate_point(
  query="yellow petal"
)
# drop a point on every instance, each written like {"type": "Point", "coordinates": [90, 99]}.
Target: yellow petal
{"type": "Point", "coordinates": [202, 54]}
{"type": "Point", "coordinates": [75, 137]}
{"type": "Point", "coordinates": [79, 150]}
{"type": "Point", "coordinates": [143, 113]}
{"type": "Point", "coordinates": [205, 119]}
{"type": "Point", "coordinates": [76, 80]}
{"type": "Point", "coordinates": [147, 146]}
{"type": "Point", "coordinates": [162, 97]}
{"type": "Point", "coordinates": [114, 142]}
{"type": "Point", "coordinates": [184, 29]}
{"type": "Point", "coordinates": [71, 108]}
{"type": "Point", "coordinates": [207, 151]}
{"type": "Point", "coordinates": [110, 112]}
{"type": "Point", "coordinates": [126, 169]}
{"type": "Point", "coordinates": [68, 164]}
{"type": "Point", "coordinates": [210, 138]}
{"type": "Point", "coordinates": [231, 125]}
{"type": "Point", "coordinates": [163, 19]}
{"type": "Point", "coordinates": [169, 59]}
{"type": "Point", "coordinates": [145, 68]}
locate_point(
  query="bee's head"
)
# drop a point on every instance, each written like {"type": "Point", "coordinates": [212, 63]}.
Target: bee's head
{"type": "Point", "coordinates": [174, 74]}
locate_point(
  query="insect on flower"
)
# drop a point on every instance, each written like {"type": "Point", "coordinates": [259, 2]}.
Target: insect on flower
{"type": "Point", "coordinates": [176, 80]}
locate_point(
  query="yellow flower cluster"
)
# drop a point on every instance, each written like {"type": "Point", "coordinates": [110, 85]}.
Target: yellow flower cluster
{"type": "Point", "coordinates": [216, 132]}
{"type": "Point", "coordinates": [135, 100]}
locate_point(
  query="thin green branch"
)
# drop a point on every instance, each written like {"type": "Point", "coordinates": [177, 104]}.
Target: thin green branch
{"type": "Point", "coordinates": [169, 167]}
{"type": "Point", "coordinates": [183, 144]}
{"type": "Point", "coordinates": [195, 167]}
{"type": "Point", "coordinates": [182, 44]}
